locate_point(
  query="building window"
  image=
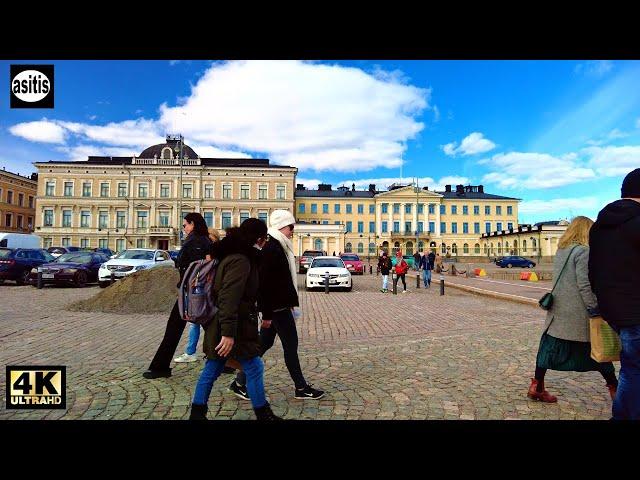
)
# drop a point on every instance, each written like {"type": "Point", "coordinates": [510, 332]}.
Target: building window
{"type": "Point", "coordinates": [384, 227]}
{"type": "Point", "coordinates": [21, 199]}
{"type": "Point", "coordinates": [432, 227]}
{"type": "Point", "coordinates": [465, 227]}
{"type": "Point", "coordinates": [50, 190]}
{"type": "Point", "coordinates": [509, 226]}
{"type": "Point", "coordinates": [47, 242]}
{"type": "Point", "coordinates": [208, 219]}
{"type": "Point", "coordinates": [454, 209]}
{"type": "Point", "coordinates": [360, 247]}
{"type": "Point", "coordinates": [509, 210]}
{"type": "Point", "coordinates": [420, 227]}
{"type": "Point", "coordinates": [68, 189]}
{"type": "Point", "coordinates": [487, 227]}
{"type": "Point", "coordinates": [487, 209]}
{"type": "Point", "coordinates": [454, 227]}
{"type": "Point", "coordinates": [476, 210]}
{"type": "Point", "coordinates": [142, 219]}
{"type": "Point", "coordinates": [336, 208]}
{"type": "Point", "coordinates": [208, 191]}
{"type": "Point", "coordinates": [348, 248]}
{"type": "Point", "coordinates": [499, 226]}
{"type": "Point", "coordinates": [317, 244]}
{"type": "Point", "coordinates": [142, 190]}
{"type": "Point", "coordinates": [280, 192]}
{"type": "Point", "coordinates": [9, 197]}
{"type": "Point", "coordinates": [407, 227]}
{"type": "Point", "coordinates": [120, 245]}
{"type": "Point", "coordinates": [140, 243]}
{"type": "Point", "coordinates": [360, 208]}
{"type": "Point", "coordinates": [314, 208]}
{"type": "Point", "coordinates": [226, 220]}
{"type": "Point", "coordinates": [187, 190]}
{"type": "Point", "coordinates": [122, 190]}
{"type": "Point", "coordinates": [86, 189]}
{"type": "Point", "coordinates": [244, 192]}
{"type": "Point", "coordinates": [486, 249]}
{"type": "Point", "coordinates": [407, 208]}
{"type": "Point", "coordinates": [66, 218]}
{"type": "Point", "coordinates": [243, 216]}
{"type": "Point", "coordinates": [104, 190]}
{"type": "Point", "coordinates": [360, 227]}
{"type": "Point", "coordinates": [385, 208]}
{"type": "Point", "coordinates": [465, 210]}
{"type": "Point", "coordinates": [301, 208]}
{"type": "Point", "coordinates": [66, 241]}
{"type": "Point", "coordinates": [164, 219]}
{"type": "Point", "coordinates": [48, 218]}
{"type": "Point", "coordinates": [19, 222]}
{"type": "Point", "coordinates": [498, 210]}
{"type": "Point", "coordinates": [396, 208]}
{"type": "Point", "coordinates": [84, 243]}
{"type": "Point", "coordinates": [443, 248]}
{"type": "Point", "coordinates": [454, 248]}
{"type": "Point", "coordinates": [465, 248]}
{"type": "Point", "coordinates": [349, 208]}
{"type": "Point", "coordinates": [85, 219]}
{"type": "Point", "coordinates": [262, 192]}
{"type": "Point", "coordinates": [226, 191]}
{"type": "Point", "coordinates": [476, 227]}
{"type": "Point", "coordinates": [30, 201]}
{"type": "Point", "coordinates": [396, 227]}
{"type": "Point", "coordinates": [121, 219]}
{"type": "Point", "coordinates": [524, 246]}
{"type": "Point", "coordinates": [372, 209]}
{"type": "Point", "coordinates": [476, 249]}
{"type": "Point", "coordinates": [372, 248]}
{"type": "Point", "coordinates": [499, 248]}
{"type": "Point", "coordinates": [263, 216]}
{"type": "Point", "coordinates": [443, 209]}
{"type": "Point", "coordinates": [432, 208]}
{"type": "Point", "coordinates": [30, 225]}
{"type": "Point", "coordinates": [164, 190]}
{"type": "Point", "coordinates": [372, 227]}
{"type": "Point", "coordinates": [443, 227]}
{"type": "Point", "coordinates": [349, 227]}
{"type": "Point", "coordinates": [103, 220]}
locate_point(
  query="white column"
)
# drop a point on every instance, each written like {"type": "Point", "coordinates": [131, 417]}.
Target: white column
{"type": "Point", "coordinates": [415, 218]}
{"type": "Point", "coordinates": [390, 213]}
{"type": "Point", "coordinates": [402, 217]}
{"type": "Point", "coordinates": [325, 244]}
{"type": "Point", "coordinates": [437, 219]}
{"type": "Point", "coordinates": [379, 219]}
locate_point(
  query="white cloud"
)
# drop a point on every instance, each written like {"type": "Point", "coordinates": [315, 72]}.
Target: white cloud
{"type": "Point", "coordinates": [40, 131]}
{"type": "Point", "coordinates": [81, 152]}
{"type": "Point", "coordinates": [638, 123]}
{"type": "Point", "coordinates": [560, 206]}
{"type": "Point", "coordinates": [384, 183]}
{"type": "Point", "coordinates": [472, 144]}
{"type": "Point", "coordinates": [139, 133]}
{"type": "Point", "coordinates": [614, 161]}
{"type": "Point", "coordinates": [594, 68]}
{"type": "Point", "coordinates": [310, 183]}
{"type": "Point", "coordinates": [616, 133]}
{"type": "Point", "coordinates": [535, 170]}
{"type": "Point", "coordinates": [436, 114]}
{"type": "Point", "coordinates": [208, 151]}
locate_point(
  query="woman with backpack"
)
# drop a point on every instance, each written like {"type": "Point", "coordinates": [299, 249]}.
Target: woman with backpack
{"type": "Point", "coordinates": [402, 267]}
{"type": "Point", "coordinates": [233, 333]}
{"type": "Point", "coordinates": [195, 247]}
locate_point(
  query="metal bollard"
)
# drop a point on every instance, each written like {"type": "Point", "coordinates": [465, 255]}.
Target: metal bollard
{"type": "Point", "coordinates": [326, 283]}
{"type": "Point", "coordinates": [418, 281]}
{"type": "Point", "coordinates": [441, 284]}
{"type": "Point", "coordinates": [370, 269]}
{"type": "Point", "coordinates": [113, 278]}
{"type": "Point", "coordinates": [39, 284]}
{"type": "Point", "coordinates": [395, 283]}
{"type": "Point", "coordinates": [377, 271]}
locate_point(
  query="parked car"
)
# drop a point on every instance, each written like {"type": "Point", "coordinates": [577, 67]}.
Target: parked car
{"type": "Point", "coordinates": [174, 254]}
{"type": "Point", "coordinates": [132, 260]}
{"type": "Point", "coordinates": [106, 251]}
{"type": "Point", "coordinates": [353, 263]}
{"type": "Point", "coordinates": [306, 259]}
{"type": "Point", "coordinates": [339, 275]}
{"type": "Point", "coordinates": [515, 261]}
{"type": "Point", "coordinates": [57, 251]}
{"type": "Point", "coordinates": [19, 240]}
{"type": "Point", "coordinates": [407, 258]}
{"type": "Point", "coordinates": [16, 263]}
{"type": "Point", "coordinates": [77, 268]}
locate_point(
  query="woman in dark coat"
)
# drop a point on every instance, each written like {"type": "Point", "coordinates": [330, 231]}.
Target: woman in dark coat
{"type": "Point", "coordinates": [195, 247]}
{"type": "Point", "coordinates": [233, 333]}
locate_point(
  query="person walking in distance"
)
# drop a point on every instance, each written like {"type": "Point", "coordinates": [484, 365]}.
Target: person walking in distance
{"type": "Point", "coordinates": [384, 264]}
{"type": "Point", "coordinates": [195, 247]}
{"type": "Point", "coordinates": [613, 270]}
{"type": "Point", "coordinates": [416, 260]}
{"type": "Point", "coordinates": [401, 270]}
{"type": "Point", "coordinates": [426, 267]}
{"type": "Point", "coordinates": [279, 304]}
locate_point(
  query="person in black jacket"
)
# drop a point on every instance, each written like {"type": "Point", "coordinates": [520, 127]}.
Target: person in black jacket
{"type": "Point", "coordinates": [278, 302]}
{"type": "Point", "coordinates": [614, 263]}
{"type": "Point", "coordinates": [384, 264]}
{"type": "Point", "coordinates": [195, 247]}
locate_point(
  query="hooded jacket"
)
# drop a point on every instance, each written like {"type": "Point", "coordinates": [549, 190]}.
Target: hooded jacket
{"type": "Point", "coordinates": [614, 262]}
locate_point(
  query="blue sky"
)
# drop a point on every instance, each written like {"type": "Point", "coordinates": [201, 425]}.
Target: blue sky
{"type": "Point", "coordinates": [560, 135]}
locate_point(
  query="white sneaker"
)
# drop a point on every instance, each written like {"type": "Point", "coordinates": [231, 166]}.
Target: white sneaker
{"type": "Point", "coordinates": [405, 291]}
{"type": "Point", "coordinates": [185, 358]}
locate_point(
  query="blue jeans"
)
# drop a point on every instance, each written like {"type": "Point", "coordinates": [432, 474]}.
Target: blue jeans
{"type": "Point", "coordinates": [426, 278]}
{"type": "Point", "coordinates": [626, 405]}
{"type": "Point", "coordinates": [385, 281]}
{"type": "Point", "coordinates": [194, 335]}
{"type": "Point", "coordinates": [252, 367]}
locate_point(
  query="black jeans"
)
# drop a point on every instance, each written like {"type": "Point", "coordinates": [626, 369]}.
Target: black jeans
{"type": "Point", "coordinates": [169, 344]}
{"type": "Point", "coordinates": [401, 277]}
{"type": "Point", "coordinates": [283, 325]}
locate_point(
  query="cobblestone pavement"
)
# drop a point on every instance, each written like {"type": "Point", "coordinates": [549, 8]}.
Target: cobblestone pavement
{"type": "Point", "coordinates": [417, 355]}
{"type": "Point", "coordinates": [531, 290]}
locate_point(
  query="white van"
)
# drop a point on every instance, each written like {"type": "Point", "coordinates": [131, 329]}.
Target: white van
{"type": "Point", "coordinates": [19, 240]}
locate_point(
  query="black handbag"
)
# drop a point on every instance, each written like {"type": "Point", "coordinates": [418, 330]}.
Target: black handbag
{"type": "Point", "coordinates": [547, 299]}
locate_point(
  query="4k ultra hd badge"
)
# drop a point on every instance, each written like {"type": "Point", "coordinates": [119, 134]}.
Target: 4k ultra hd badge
{"type": "Point", "coordinates": [31, 86]}
{"type": "Point", "coordinates": [42, 387]}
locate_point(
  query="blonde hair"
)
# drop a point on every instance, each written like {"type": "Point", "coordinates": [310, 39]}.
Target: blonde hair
{"type": "Point", "coordinates": [577, 232]}
{"type": "Point", "coordinates": [214, 235]}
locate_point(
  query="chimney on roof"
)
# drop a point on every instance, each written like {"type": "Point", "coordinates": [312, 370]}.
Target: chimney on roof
{"type": "Point", "coordinates": [353, 187]}
{"type": "Point", "coordinates": [300, 186]}
{"type": "Point", "coordinates": [425, 188]}
{"type": "Point", "coordinates": [459, 188]}
{"type": "Point", "coordinates": [324, 187]}
{"type": "Point", "coordinates": [34, 176]}
{"type": "Point", "coordinates": [480, 188]}
{"type": "Point", "coordinates": [447, 188]}
{"type": "Point", "coordinates": [372, 187]}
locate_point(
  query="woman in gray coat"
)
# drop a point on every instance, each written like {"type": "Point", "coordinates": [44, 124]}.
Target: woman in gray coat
{"type": "Point", "coordinates": [565, 344]}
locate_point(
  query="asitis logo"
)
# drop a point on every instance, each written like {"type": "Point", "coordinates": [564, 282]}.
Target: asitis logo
{"type": "Point", "coordinates": [31, 86]}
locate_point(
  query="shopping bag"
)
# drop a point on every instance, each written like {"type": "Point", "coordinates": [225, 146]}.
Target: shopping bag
{"type": "Point", "coordinates": [605, 342]}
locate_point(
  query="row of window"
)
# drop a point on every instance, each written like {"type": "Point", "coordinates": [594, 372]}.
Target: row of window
{"type": "Point", "coordinates": [408, 208]}
{"type": "Point", "coordinates": [142, 218]}
{"type": "Point", "coordinates": [302, 208]}
{"type": "Point", "coordinates": [165, 190]}
{"type": "Point", "coordinates": [86, 243]}
{"type": "Point", "coordinates": [408, 227]}
{"type": "Point", "coordinates": [19, 223]}
{"type": "Point", "coordinates": [11, 197]}
{"type": "Point", "coordinates": [489, 249]}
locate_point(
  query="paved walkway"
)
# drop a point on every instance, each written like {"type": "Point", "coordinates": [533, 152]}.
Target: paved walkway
{"type": "Point", "coordinates": [417, 355]}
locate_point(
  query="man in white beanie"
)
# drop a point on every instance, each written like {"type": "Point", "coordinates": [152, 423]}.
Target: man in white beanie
{"type": "Point", "coordinates": [278, 302]}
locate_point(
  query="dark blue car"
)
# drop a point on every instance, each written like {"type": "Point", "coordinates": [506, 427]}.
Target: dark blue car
{"type": "Point", "coordinates": [16, 263]}
{"type": "Point", "coordinates": [76, 268]}
{"type": "Point", "coordinates": [515, 261]}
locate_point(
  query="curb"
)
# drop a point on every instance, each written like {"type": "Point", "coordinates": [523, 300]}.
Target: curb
{"type": "Point", "coordinates": [498, 295]}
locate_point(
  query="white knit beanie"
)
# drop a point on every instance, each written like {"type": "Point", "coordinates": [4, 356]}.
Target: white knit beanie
{"type": "Point", "coordinates": [281, 218]}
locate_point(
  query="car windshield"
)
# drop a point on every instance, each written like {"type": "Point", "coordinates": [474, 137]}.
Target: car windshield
{"type": "Point", "coordinates": [5, 252]}
{"type": "Point", "coordinates": [327, 262]}
{"type": "Point", "coordinates": [56, 250]}
{"type": "Point", "coordinates": [136, 255]}
{"type": "Point", "coordinates": [74, 258]}
{"type": "Point", "coordinates": [311, 253]}
{"type": "Point", "coordinates": [350, 257]}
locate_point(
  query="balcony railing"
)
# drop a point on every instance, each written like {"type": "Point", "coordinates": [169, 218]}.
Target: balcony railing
{"type": "Point", "coordinates": [161, 230]}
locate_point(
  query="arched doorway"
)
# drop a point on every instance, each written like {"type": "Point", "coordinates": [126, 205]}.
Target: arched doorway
{"type": "Point", "coordinates": [515, 247]}
{"type": "Point", "coordinates": [409, 248]}
{"type": "Point", "coordinates": [317, 244]}
{"type": "Point", "coordinates": [360, 248]}
{"type": "Point", "coordinates": [465, 248]}
{"type": "Point", "coordinates": [396, 247]}
{"type": "Point", "coordinates": [348, 247]}
{"type": "Point", "coordinates": [443, 248]}
{"type": "Point", "coordinates": [420, 246]}
{"type": "Point", "coordinates": [385, 246]}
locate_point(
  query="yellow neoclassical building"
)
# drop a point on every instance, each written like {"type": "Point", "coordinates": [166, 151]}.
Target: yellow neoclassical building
{"type": "Point", "coordinates": [403, 217]}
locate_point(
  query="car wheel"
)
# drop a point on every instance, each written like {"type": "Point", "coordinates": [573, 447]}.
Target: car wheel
{"type": "Point", "coordinates": [23, 278]}
{"type": "Point", "coordinates": [81, 279]}
{"type": "Point", "coordinates": [103, 284]}
{"type": "Point", "coordinates": [509, 265]}
{"type": "Point", "coordinates": [349, 288]}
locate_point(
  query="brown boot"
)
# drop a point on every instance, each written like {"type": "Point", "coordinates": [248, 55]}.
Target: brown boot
{"type": "Point", "coordinates": [612, 391]}
{"type": "Point", "coordinates": [543, 395]}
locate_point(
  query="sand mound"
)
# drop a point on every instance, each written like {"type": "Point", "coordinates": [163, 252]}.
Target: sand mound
{"type": "Point", "coordinates": [147, 291]}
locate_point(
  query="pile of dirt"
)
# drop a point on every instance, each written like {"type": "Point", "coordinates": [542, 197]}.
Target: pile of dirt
{"type": "Point", "coordinates": [147, 291]}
